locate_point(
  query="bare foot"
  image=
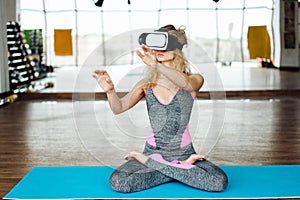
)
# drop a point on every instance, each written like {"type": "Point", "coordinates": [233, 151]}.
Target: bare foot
{"type": "Point", "coordinates": [135, 155]}
{"type": "Point", "coordinates": [192, 159]}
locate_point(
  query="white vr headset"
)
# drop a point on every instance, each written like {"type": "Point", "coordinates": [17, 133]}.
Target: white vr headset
{"type": "Point", "coordinates": [160, 40]}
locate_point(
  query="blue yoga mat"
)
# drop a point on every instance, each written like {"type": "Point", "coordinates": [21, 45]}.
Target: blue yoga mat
{"type": "Point", "coordinates": [277, 181]}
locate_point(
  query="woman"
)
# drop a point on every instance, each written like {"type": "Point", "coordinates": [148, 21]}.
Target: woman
{"type": "Point", "coordinates": [169, 89]}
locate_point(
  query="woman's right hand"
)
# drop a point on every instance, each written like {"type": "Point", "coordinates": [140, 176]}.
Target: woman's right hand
{"type": "Point", "coordinates": [104, 80]}
{"type": "Point", "coordinates": [147, 56]}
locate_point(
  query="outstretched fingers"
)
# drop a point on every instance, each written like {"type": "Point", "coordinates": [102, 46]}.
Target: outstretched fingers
{"type": "Point", "coordinates": [103, 79]}
{"type": "Point", "coordinates": [147, 56]}
{"type": "Point", "coordinates": [99, 72]}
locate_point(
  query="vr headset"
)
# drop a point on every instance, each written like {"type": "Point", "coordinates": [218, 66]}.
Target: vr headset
{"type": "Point", "coordinates": [160, 40]}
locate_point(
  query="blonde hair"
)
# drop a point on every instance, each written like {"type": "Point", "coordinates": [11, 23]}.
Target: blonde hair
{"type": "Point", "coordinates": [179, 62]}
{"type": "Point", "coordinates": [178, 33]}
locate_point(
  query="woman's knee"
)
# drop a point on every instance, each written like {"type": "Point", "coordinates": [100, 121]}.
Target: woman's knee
{"type": "Point", "coordinates": [118, 182]}
{"type": "Point", "coordinates": [221, 183]}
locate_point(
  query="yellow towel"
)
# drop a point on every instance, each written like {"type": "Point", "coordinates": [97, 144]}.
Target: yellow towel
{"type": "Point", "coordinates": [259, 44]}
{"type": "Point", "coordinates": [63, 42]}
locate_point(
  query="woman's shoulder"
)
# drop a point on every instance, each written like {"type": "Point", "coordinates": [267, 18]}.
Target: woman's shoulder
{"type": "Point", "coordinates": [197, 75]}
{"type": "Point", "coordinates": [196, 81]}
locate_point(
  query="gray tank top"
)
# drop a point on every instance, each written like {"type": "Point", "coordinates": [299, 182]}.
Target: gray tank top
{"type": "Point", "coordinates": [169, 123]}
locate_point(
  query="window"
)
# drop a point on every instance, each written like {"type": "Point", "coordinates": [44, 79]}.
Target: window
{"type": "Point", "coordinates": [220, 27]}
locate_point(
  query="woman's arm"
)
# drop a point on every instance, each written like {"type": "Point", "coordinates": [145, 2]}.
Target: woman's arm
{"type": "Point", "coordinates": [119, 105]}
{"type": "Point", "coordinates": [191, 82]}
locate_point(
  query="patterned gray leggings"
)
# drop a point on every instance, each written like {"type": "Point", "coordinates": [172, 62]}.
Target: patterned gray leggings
{"type": "Point", "coordinates": [134, 176]}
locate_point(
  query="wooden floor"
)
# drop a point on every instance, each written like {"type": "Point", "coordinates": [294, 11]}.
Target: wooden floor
{"type": "Point", "coordinates": [258, 130]}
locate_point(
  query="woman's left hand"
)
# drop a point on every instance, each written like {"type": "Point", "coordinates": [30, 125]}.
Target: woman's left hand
{"type": "Point", "coordinates": [103, 80]}
{"type": "Point", "coordinates": [148, 57]}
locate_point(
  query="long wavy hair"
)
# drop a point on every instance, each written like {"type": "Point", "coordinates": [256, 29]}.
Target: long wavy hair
{"type": "Point", "coordinates": [179, 62]}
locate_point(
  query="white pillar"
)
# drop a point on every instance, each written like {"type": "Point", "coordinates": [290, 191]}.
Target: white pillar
{"type": "Point", "coordinates": [9, 11]}
{"type": "Point", "coordinates": [286, 36]}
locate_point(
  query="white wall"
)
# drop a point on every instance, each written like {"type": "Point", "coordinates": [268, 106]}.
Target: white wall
{"type": "Point", "coordinates": [8, 12]}
{"type": "Point", "coordinates": [285, 57]}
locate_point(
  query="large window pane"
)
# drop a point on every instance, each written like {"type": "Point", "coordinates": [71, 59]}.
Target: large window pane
{"type": "Point", "coordinates": [61, 20]}
{"type": "Point", "coordinates": [230, 30]}
{"type": "Point", "coordinates": [54, 21]}
{"type": "Point", "coordinates": [230, 23]}
{"type": "Point", "coordinates": [177, 18]}
{"type": "Point", "coordinates": [32, 4]}
{"type": "Point", "coordinates": [89, 34]}
{"type": "Point", "coordinates": [202, 24]}
{"type": "Point", "coordinates": [231, 4]}
{"type": "Point", "coordinates": [138, 22]}
{"type": "Point", "coordinates": [258, 3]}
{"type": "Point", "coordinates": [204, 4]}
{"type": "Point", "coordinates": [202, 29]}
{"type": "Point", "coordinates": [32, 20]}
{"type": "Point", "coordinates": [257, 17]}
{"type": "Point", "coordinates": [116, 22]}
{"type": "Point", "coordinates": [87, 5]}
{"type": "Point", "coordinates": [115, 5]}
{"type": "Point", "coordinates": [89, 23]}
{"type": "Point", "coordinates": [86, 45]}
{"type": "Point", "coordinates": [138, 5]}
{"type": "Point", "coordinates": [167, 4]}
{"type": "Point", "coordinates": [59, 5]}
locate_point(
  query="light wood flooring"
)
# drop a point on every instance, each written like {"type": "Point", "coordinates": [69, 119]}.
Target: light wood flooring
{"type": "Point", "coordinates": [250, 127]}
